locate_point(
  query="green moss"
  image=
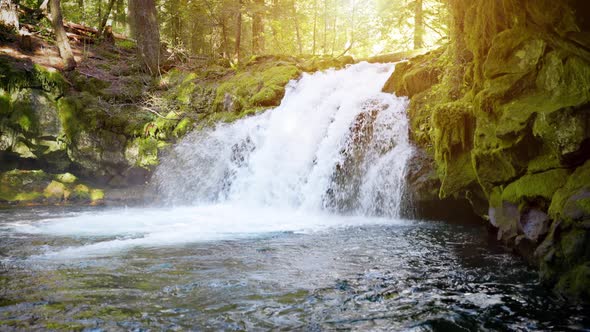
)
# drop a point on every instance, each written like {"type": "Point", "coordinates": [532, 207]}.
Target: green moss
{"type": "Point", "coordinates": [417, 75]}
{"type": "Point", "coordinates": [456, 174]}
{"type": "Point", "coordinates": [66, 178]}
{"type": "Point", "coordinates": [254, 88]}
{"type": "Point", "coordinates": [576, 282]}
{"type": "Point", "coordinates": [96, 195]}
{"type": "Point", "coordinates": [4, 102]}
{"type": "Point", "coordinates": [492, 167]}
{"type": "Point", "coordinates": [68, 110]}
{"type": "Point", "coordinates": [23, 186]}
{"type": "Point", "coordinates": [183, 127]}
{"type": "Point", "coordinates": [268, 96]}
{"type": "Point", "coordinates": [59, 326]}
{"type": "Point", "coordinates": [17, 75]}
{"type": "Point", "coordinates": [573, 244]}
{"type": "Point", "coordinates": [564, 130]}
{"type": "Point", "coordinates": [584, 205]}
{"type": "Point", "coordinates": [80, 192]}
{"type": "Point", "coordinates": [143, 152]}
{"type": "Point", "coordinates": [91, 85]}
{"type": "Point", "coordinates": [513, 51]}
{"type": "Point", "coordinates": [55, 190]}
{"type": "Point", "coordinates": [453, 125]}
{"type": "Point", "coordinates": [578, 182]}
{"type": "Point", "coordinates": [111, 313]}
{"type": "Point", "coordinates": [533, 186]}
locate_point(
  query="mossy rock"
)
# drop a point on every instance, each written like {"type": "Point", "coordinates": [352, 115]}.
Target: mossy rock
{"type": "Point", "coordinates": [143, 152]}
{"type": "Point", "coordinates": [492, 167]}
{"type": "Point", "coordinates": [575, 283]}
{"type": "Point", "coordinates": [37, 187]}
{"type": "Point", "coordinates": [66, 178]}
{"type": "Point", "coordinates": [56, 192]}
{"type": "Point", "coordinates": [416, 75]}
{"type": "Point", "coordinates": [19, 185]}
{"type": "Point", "coordinates": [18, 75]}
{"type": "Point", "coordinates": [570, 202]}
{"type": "Point", "coordinates": [453, 126]}
{"type": "Point", "coordinates": [514, 51]}
{"type": "Point", "coordinates": [254, 88]}
{"type": "Point", "coordinates": [456, 175]}
{"type": "Point", "coordinates": [535, 186]}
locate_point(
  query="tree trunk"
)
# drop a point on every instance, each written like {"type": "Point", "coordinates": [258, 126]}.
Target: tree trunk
{"type": "Point", "coordinates": [9, 14]}
{"type": "Point", "coordinates": [99, 10]}
{"type": "Point", "coordinates": [315, 21]}
{"type": "Point", "coordinates": [238, 30]}
{"type": "Point", "coordinates": [297, 29]}
{"type": "Point", "coordinates": [258, 27]}
{"type": "Point", "coordinates": [325, 26]}
{"type": "Point", "coordinates": [224, 47]}
{"type": "Point", "coordinates": [144, 19]}
{"type": "Point", "coordinates": [61, 39]}
{"type": "Point", "coordinates": [334, 32]}
{"type": "Point", "coordinates": [418, 25]}
{"type": "Point", "coordinates": [105, 18]}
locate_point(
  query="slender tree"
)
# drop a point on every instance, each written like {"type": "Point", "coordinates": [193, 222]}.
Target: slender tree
{"type": "Point", "coordinates": [238, 30]}
{"type": "Point", "coordinates": [325, 44]}
{"type": "Point", "coordinates": [144, 19]}
{"type": "Point", "coordinates": [418, 25]}
{"type": "Point", "coordinates": [315, 23]}
{"type": "Point", "coordinates": [105, 17]}
{"type": "Point", "coordinates": [61, 38]}
{"type": "Point", "coordinates": [258, 27]}
{"type": "Point", "coordinates": [297, 28]}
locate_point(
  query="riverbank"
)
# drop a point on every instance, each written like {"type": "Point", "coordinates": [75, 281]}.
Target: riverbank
{"type": "Point", "coordinates": [502, 118]}
{"type": "Point", "coordinates": [107, 123]}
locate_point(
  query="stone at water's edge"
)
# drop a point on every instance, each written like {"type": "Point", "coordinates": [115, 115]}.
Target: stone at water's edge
{"type": "Point", "coordinates": [519, 152]}
{"type": "Point", "coordinates": [39, 188]}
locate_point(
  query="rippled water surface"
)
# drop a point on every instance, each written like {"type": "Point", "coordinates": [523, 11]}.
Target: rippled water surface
{"type": "Point", "coordinates": [309, 274]}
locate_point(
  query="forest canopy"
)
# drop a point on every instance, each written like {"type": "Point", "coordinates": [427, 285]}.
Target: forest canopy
{"type": "Point", "coordinates": [236, 29]}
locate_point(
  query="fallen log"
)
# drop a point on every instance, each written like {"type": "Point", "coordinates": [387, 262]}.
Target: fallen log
{"type": "Point", "coordinates": [90, 31]}
{"type": "Point", "coordinates": [80, 38]}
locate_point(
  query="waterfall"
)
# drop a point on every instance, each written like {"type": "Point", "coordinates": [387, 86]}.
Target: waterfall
{"type": "Point", "coordinates": [335, 143]}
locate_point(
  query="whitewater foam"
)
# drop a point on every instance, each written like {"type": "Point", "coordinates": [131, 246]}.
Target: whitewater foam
{"type": "Point", "coordinates": [333, 154]}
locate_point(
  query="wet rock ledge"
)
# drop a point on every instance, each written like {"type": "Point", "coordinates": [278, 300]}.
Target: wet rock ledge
{"type": "Point", "coordinates": [501, 117]}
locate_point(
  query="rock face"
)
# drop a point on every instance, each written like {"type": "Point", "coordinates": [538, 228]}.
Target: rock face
{"type": "Point", "coordinates": [503, 120]}
{"type": "Point", "coordinates": [112, 132]}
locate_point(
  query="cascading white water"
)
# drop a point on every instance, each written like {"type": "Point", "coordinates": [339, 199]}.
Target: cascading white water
{"type": "Point", "coordinates": [335, 142]}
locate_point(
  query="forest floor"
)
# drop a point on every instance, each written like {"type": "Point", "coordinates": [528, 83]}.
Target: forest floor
{"type": "Point", "coordinates": [102, 61]}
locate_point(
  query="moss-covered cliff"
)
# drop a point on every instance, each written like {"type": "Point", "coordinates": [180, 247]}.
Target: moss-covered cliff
{"type": "Point", "coordinates": [503, 115]}
{"type": "Point", "coordinates": [108, 123]}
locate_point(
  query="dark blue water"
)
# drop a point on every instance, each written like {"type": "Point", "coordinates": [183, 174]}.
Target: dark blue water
{"type": "Point", "coordinates": [411, 276]}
